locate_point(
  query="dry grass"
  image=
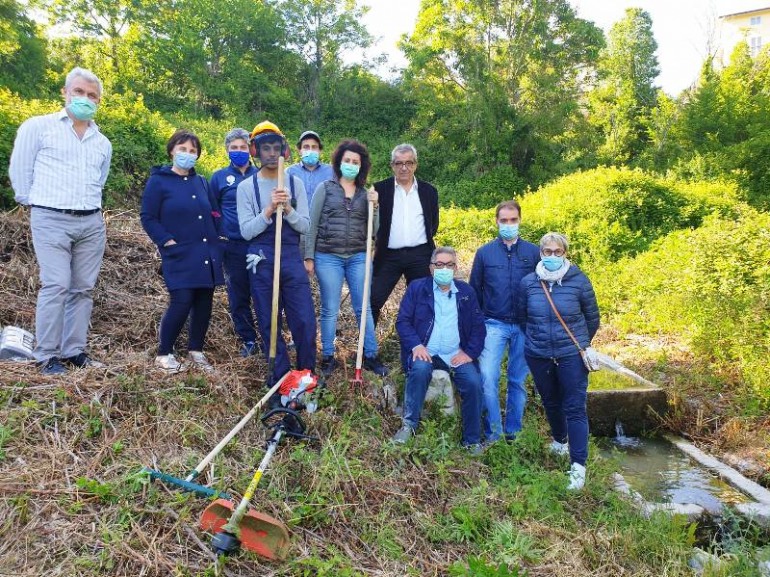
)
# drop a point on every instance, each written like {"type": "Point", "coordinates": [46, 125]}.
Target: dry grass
{"type": "Point", "coordinates": [72, 501]}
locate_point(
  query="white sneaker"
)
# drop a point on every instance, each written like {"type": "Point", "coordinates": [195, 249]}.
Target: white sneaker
{"type": "Point", "coordinates": [558, 448]}
{"type": "Point", "coordinates": [168, 364]}
{"type": "Point", "coordinates": [199, 361]}
{"type": "Point", "coordinates": [577, 477]}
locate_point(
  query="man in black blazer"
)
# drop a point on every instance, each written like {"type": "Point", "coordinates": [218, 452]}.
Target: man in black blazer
{"type": "Point", "coordinates": [408, 223]}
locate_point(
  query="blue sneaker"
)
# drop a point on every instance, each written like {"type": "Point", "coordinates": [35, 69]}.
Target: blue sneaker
{"type": "Point", "coordinates": [249, 349]}
{"type": "Point", "coordinates": [52, 366]}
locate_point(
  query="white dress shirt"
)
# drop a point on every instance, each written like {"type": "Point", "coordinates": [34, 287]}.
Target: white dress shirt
{"type": "Point", "coordinates": [407, 226]}
{"type": "Point", "coordinates": [50, 166]}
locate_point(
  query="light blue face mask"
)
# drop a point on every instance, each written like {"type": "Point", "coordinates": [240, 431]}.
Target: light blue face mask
{"type": "Point", "coordinates": [82, 108]}
{"type": "Point", "coordinates": [508, 231]}
{"type": "Point", "coordinates": [184, 160]}
{"type": "Point", "coordinates": [552, 263]}
{"type": "Point", "coordinates": [349, 171]}
{"type": "Point", "coordinates": [443, 276]}
{"type": "Point", "coordinates": [310, 157]}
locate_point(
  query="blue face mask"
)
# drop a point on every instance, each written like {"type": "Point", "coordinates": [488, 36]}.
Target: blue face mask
{"type": "Point", "coordinates": [552, 263]}
{"type": "Point", "coordinates": [238, 157]}
{"type": "Point", "coordinates": [349, 171]}
{"type": "Point", "coordinates": [310, 157]}
{"type": "Point", "coordinates": [184, 160]}
{"type": "Point", "coordinates": [508, 231]}
{"type": "Point", "coordinates": [443, 276]}
{"type": "Point", "coordinates": [82, 108]}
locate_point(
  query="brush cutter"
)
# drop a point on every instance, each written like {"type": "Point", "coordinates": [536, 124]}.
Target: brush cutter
{"type": "Point", "coordinates": [358, 379]}
{"type": "Point", "coordinates": [187, 483]}
{"type": "Point", "coordinates": [233, 526]}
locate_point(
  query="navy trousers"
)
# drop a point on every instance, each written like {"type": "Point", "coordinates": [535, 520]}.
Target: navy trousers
{"type": "Point", "coordinates": [184, 303]}
{"type": "Point", "coordinates": [295, 301]}
{"type": "Point", "coordinates": [563, 385]}
{"type": "Point", "coordinates": [239, 290]}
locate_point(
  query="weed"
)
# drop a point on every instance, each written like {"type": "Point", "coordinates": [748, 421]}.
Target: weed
{"type": "Point", "coordinates": [478, 567]}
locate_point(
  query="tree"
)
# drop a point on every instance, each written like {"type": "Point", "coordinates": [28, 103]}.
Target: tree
{"type": "Point", "coordinates": [498, 82]}
{"type": "Point", "coordinates": [103, 21]}
{"type": "Point", "coordinates": [22, 51]}
{"type": "Point", "coordinates": [320, 30]}
{"type": "Point", "coordinates": [626, 94]}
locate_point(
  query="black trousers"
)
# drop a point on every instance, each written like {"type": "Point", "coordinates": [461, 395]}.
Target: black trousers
{"type": "Point", "coordinates": [412, 262]}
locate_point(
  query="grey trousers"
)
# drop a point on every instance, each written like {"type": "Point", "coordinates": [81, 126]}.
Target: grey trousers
{"type": "Point", "coordinates": [69, 251]}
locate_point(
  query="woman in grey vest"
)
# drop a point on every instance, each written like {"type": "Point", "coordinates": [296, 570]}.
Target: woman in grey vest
{"type": "Point", "coordinates": [335, 247]}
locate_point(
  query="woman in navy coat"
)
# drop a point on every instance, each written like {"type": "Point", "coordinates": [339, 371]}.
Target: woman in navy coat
{"type": "Point", "coordinates": [181, 217]}
{"type": "Point", "coordinates": [557, 368]}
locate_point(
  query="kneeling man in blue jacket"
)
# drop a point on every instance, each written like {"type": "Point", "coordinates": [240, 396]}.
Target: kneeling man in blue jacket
{"type": "Point", "coordinates": [441, 327]}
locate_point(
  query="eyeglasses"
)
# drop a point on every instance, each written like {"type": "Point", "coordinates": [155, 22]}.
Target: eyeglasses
{"type": "Point", "coordinates": [552, 252]}
{"type": "Point", "coordinates": [437, 264]}
{"type": "Point", "coordinates": [406, 163]}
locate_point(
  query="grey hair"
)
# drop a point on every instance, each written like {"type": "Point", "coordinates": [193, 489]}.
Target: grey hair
{"type": "Point", "coordinates": [404, 147]}
{"type": "Point", "coordinates": [556, 237]}
{"type": "Point", "coordinates": [86, 75]}
{"type": "Point", "coordinates": [235, 134]}
{"type": "Point", "coordinates": [443, 250]}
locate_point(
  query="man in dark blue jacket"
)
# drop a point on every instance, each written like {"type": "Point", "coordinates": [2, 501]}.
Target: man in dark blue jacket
{"type": "Point", "coordinates": [224, 184]}
{"type": "Point", "coordinates": [441, 327]}
{"type": "Point", "coordinates": [498, 268]}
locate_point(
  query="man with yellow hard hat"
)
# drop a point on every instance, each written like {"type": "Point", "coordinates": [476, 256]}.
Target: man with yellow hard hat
{"type": "Point", "coordinates": [258, 198]}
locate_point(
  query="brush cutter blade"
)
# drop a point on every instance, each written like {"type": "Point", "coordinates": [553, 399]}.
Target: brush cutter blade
{"type": "Point", "coordinates": [260, 533]}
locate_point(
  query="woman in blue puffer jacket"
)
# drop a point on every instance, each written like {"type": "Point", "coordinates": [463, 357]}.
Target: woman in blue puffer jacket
{"type": "Point", "coordinates": [557, 368]}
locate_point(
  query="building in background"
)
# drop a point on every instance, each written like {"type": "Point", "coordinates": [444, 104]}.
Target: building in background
{"type": "Point", "coordinates": [753, 26]}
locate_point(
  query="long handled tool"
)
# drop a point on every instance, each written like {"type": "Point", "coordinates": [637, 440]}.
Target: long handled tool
{"type": "Point", "coordinates": [187, 483]}
{"type": "Point", "coordinates": [276, 279]}
{"type": "Point", "coordinates": [358, 379]}
{"type": "Point", "coordinates": [233, 526]}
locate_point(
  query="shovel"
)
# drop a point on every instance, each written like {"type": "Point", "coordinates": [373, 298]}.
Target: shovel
{"type": "Point", "coordinates": [358, 379]}
{"type": "Point", "coordinates": [233, 526]}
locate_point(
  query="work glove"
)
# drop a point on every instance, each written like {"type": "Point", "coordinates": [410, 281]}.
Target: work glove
{"type": "Point", "coordinates": [252, 260]}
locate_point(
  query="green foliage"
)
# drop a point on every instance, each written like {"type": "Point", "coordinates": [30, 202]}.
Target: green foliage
{"type": "Point", "coordinates": [608, 213]}
{"type": "Point", "coordinates": [22, 50]}
{"type": "Point", "coordinates": [13, 111]}
{"type": "Point", "coordinates": [483, 191]}
{"type": "Point", "coordinates": [477, 567]}
{"type": "Point", "coordinates": [708, 285]}
{"type": "Point", "coordinates": [625, 95]}
{"type": "Point", "coordinates": [482, 104]}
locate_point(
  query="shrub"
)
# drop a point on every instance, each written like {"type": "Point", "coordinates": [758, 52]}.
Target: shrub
{"type": "Point", "coordinates": [711, 286]}
{"type": "Point", "coordinates": [608, 213]}
{"type": "Point", "coordinates": [138, 139]}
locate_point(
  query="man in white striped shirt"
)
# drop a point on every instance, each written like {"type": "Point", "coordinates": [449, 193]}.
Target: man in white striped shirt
{"type": "Point", "coordinates": [58, 167]}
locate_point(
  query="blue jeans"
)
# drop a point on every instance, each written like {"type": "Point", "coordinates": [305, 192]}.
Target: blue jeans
{"type": "Point", "coordinates": [238, 289]}
{"type": "Point", "coordinates": [563, 384]}
{"type": "Point", "coordinates": [502, 336]}
{"type": "Point", "coordinates": [468, 382]}
{"type": "Point", "coordinates": [331, 270]}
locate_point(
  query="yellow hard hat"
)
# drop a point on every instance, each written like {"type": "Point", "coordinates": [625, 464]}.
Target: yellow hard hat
{"type": "Point", "coordinates": [265, 127]}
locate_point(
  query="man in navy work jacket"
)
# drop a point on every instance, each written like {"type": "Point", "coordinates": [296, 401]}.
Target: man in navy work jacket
{"type": "Point", "coordinates": [498, 268]}
{"type": "Point", "coordinates": [310, 170]}
{"type": "Point", "coordinates": [441, 327]}
{"type": "Point", "coordinates": [59, 165]}
{"type": "Point", "coordinates": [258, 199]}
{"type": "Point", "coordinates": [408, 223]}
{"type": "Point", "coordinates": [224, 184]}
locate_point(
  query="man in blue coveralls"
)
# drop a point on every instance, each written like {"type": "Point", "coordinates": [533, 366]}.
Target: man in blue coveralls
{"type": "Point", "coordinates": [258, 198]}
{"type": "Point", "coordinates": [224, 185]}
